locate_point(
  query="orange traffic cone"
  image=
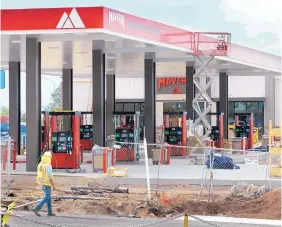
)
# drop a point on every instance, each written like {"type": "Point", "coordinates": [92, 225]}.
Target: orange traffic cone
{"type": "Point", "coordinates": [164, 198]}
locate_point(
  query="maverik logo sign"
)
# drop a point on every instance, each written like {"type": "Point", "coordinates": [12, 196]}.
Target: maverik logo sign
{"type": "Point", "coordinates": [171, 85]}
{"type": "Point", "coordinates": [71, 21]}
{"type": "Point", "coordinates": [116, 18]}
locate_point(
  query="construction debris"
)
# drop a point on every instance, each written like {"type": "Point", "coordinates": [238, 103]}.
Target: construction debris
{"type": "Point", "coordinates": [94, 189]}
{"type": "Point", "coordinates": [100, 190]}
{"type": "Point", "coordinates": [247, 191]}
{"type": "Point", "coordinates": [59, 198]}
{"type": "Point", "coordinates": [170, 200]}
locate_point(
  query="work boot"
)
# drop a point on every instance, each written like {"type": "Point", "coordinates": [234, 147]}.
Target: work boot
{"type": "Point", "coordinates": [51, 215]}
{"type": "Point", "coordinates": [36, 212]}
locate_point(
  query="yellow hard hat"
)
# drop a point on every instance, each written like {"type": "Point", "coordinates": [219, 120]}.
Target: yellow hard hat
{"type": "Point", "coordinates": [47, 154]}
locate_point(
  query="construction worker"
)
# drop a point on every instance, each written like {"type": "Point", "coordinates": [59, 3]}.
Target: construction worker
{"type": "Point", "coordinates": [45, 179]}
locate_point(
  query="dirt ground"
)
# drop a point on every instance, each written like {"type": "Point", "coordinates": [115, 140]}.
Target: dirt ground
{"type": "Point", "coordinates": [167, 200]}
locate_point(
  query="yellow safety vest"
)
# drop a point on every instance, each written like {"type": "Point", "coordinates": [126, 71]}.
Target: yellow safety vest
{"type": "Point", "coordinates": [42, 174]}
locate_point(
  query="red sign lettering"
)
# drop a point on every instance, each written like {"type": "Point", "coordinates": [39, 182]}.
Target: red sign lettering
{"type": "Point", "coordinates": [166, 81]}
{"type": "Point", "coordinates": [177, 91]}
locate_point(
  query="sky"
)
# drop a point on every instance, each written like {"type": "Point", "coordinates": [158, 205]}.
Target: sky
{"type": "Point", "coordinates": [252, 23]}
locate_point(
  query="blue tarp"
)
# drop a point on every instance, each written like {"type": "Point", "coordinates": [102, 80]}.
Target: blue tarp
{"type": "Point", "coordinates": [222, 162]}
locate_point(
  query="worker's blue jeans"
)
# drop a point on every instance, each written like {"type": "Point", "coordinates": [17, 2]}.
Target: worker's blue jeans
{"type": "Point", "coordinates": [46, 199]}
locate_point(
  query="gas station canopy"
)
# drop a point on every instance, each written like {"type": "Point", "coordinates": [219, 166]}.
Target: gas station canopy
{"type": "Point", "coordinates": [123, 37]}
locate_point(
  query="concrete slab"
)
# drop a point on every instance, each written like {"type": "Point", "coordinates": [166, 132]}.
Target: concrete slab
{"type": "Point", "coordinates": [178, 172]}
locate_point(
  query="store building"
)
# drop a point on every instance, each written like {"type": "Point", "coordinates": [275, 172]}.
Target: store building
{"type": "Point", "coordinates": [258, 94]}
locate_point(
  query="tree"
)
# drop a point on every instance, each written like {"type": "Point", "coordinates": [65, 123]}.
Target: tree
{"type": "Point", "coordinates": [55, 103]}
{"type": "Point", "coordinates": [23, 117]}
{"type": "Point", "coordinates": [4, 111]}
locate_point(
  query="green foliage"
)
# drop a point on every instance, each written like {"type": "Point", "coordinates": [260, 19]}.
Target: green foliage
{"type": "Point", "coordinates": [23, 117]}
{"type": "Point", "coordinates": [55, 103]}
{"type": "Point", "coordinates": [4, 111]}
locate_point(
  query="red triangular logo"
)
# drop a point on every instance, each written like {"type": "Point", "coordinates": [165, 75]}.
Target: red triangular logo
{"type": "Point", "coordinates": [176, 91]}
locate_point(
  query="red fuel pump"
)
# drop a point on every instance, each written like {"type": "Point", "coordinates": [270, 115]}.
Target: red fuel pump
{"type": "Point", "coordinates": [127, 135]}
{"type": "Point", "coordinates": [246, 130]}
{"type": "Point", "coordinates": [86, 130]}
{"type": "Point", "coordinates": [217, 130]}
{"type": "Point", "coordinates": [176, 133]}
{"type": "Point", "coordinates": [66, 146]}
{"type": "Point", "coordinates": [45, 131]}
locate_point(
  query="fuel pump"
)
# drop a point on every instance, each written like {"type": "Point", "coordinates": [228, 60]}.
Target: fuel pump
{"type": "Point", "coordinates": [127, 135]}
{"type": "Point", "coordinates": [66, 144]}
{"type": "Point", "coordinates": [44, 131]}
{"type": "Point", "coordinates": [217, 130]}
{"type": "Point", "coordinates": [176, 132]}
{"type": "Point", "coordinates": [245, 130]}
{"type": "Point", "coordinates": [86, 130]}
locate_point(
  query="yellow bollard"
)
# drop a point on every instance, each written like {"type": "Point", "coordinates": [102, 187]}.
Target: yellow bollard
{"type": "Point", "coordinates": [6, 216]}
{"type": "Point", "coordinates": [186, 220]}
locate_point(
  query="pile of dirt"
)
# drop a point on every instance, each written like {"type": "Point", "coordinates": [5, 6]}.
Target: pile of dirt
{"type": "Point", "coordinates": [266, 207]}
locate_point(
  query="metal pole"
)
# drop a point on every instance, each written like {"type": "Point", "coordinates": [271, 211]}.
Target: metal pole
{"type": "Point", "coordinates": [147, 169]}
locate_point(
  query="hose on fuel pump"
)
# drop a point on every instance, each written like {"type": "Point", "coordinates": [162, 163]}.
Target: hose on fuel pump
{"type": "Point", "coordinates": [45, 148]}
{"type": "Point", "coordinates": [76, 170]}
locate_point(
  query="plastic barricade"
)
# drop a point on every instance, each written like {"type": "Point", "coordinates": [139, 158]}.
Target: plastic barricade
{"type": "Point", "coordinates": [4, 156]}
{"type": "Point", "coordinates": [14, 153]}
{"type": "Point", "coordinates": [8, 151]}
{"type": "Point", "coordinates": [108, 159]}
{"type": "Point", "coordinates": [239, 143]}
{"type": "Point", "coordinates": [102, 158]}
{"type": "Point", "coordinates": [161, 155]}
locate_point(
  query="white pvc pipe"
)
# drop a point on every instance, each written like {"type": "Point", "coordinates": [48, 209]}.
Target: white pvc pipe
{"type": "Point", "coordinates": [9, 166]}
{"type": "Point", "coordinates": [147, 169]}
{"type": "Point", "coordinates": [26, 204]}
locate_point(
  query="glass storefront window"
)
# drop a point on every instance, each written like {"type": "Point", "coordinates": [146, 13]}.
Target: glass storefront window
{"type": "Point", "coordinates": [252, 107]}
{"type": "Point", "coordinates": [202, 106]}
{"type": "Point", "coordinates": [137, 106]}
{"type": "Point", "coordinates": [240, 107]}
{"type": "Point", "coordinates": [142, 107]}
{"type": "Point", "coordinates": [119, 107]}
{"type": "Point", "coordinates": [231, 119]}
{"type": "Point", "coordinates": [261, 107]}
{"type": "Point", "coordinates": [174, 107]}
{"type": "Point", "coordinates": [129, 107]}
{"type": "Point", "coordinates": [231, 107]}
{"type": "Point", "coordinates": [244, 108]}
